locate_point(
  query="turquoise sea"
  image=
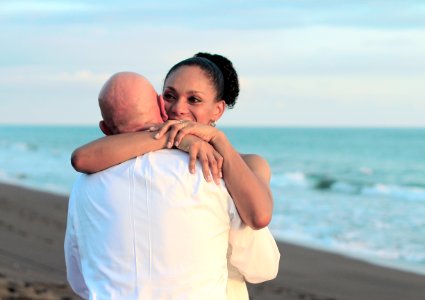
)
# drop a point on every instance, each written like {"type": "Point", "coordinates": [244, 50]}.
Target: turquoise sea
{"type": "Point", "coordinates": [360, 192]}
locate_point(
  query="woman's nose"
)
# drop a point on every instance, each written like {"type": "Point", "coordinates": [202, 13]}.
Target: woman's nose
{"type": "Point", "coordinates": [179, 107]}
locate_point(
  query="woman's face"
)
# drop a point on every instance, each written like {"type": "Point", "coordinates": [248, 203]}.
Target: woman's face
{"type": "Point", "coordinates": [189, 95]}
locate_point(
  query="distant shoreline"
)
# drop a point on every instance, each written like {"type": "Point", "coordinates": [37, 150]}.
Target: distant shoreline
{"type": "Point", "coordinates": [242, 126]}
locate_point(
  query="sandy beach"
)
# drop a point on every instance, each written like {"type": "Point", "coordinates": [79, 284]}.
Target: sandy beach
{"type": "Point", "coordinates": [32, 226]}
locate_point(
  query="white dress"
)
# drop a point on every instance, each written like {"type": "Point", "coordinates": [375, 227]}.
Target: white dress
{"type": "Point", "coordinates": [236, 286]}
{"type": "Point", "coordinates": [251, 245]}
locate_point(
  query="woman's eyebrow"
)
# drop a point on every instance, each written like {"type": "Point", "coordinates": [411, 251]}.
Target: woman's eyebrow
{"type": "Point", "coordinates": [195, 92]}
{"type": "Point", "coordinates": [170, 88]}
{"type": "Point", "coordinates": [191, 92]}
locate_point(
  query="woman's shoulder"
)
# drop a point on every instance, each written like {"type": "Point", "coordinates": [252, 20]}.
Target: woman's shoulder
{"type": "Point", "coordinates": [258, 165]}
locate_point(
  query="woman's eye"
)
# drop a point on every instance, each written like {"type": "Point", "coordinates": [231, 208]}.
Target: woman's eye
{"type": "Point", "coordinates": [168, 97]}
{"type": "Point", "coordinates": [194, 100]}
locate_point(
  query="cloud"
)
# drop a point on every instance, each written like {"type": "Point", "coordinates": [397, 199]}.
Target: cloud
{"type": "Point", "coordinates": [25, 7]}
{"type": "Point", "coordinates": [36, 76]}
{"type": "Point", "coordinates": [268, 14]}
{"type": "Point", "coordinates": [16, 9]}
{"type": "Point", "coordinates": [81, 76]}
{"type": "Point", "coordinates": [330, 101]}
{"type": "Point", "coordinates": [312, 61]}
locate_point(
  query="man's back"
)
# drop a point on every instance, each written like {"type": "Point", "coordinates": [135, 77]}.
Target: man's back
{"type": "Point", "coordinates": [148, 229]}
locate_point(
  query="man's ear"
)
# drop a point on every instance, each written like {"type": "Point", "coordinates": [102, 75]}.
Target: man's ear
{"type": "Point", "coordinates": [161, 106]}
{"type": "Point", "coordinates": [105, 129]}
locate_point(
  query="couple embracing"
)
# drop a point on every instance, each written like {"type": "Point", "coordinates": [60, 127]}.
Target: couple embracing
{"type": "Point", "coordinates": [171, 210]}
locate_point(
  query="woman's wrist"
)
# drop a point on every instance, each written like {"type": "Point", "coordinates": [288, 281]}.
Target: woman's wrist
{"type": "Point", "coordinates": [218, 139]}
{"type": "Point", "coordinates": [157, 143]}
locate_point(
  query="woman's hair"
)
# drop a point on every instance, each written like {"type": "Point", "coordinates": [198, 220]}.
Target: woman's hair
{"type": "Point", "coordinates": [219, 70]}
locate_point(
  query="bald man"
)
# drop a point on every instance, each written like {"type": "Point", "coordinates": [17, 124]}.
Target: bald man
{"type": "Point", "coordinates": [128, 102]}
{"type": "Point", "coordinates": [147, 228]}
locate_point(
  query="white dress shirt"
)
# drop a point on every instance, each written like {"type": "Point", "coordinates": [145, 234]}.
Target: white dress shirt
{"type": "Point", "coordinates": [148, 229]}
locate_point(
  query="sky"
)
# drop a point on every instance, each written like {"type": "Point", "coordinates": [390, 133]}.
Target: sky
{"type": "Point", "coordinates": [303, 63]}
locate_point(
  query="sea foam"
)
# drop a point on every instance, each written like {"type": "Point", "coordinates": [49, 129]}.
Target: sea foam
{"type": "Point", "coordinates": [298, 179]}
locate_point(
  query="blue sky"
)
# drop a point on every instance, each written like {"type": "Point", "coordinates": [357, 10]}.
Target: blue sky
{"type": "Point", "coordinates": [301, 63]}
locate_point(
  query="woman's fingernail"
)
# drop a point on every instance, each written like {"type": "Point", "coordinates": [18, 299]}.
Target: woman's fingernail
{"type": "Point", "coordinates": [221, 175]}
{"type": "Point", "coordinates": [157, 135]}
{"type": "Point", "coordinates": [169, 145]}
{"type": "Point", "coordinates": [176, 143]}
{"type": "Point", "coordinates": [192, 171]}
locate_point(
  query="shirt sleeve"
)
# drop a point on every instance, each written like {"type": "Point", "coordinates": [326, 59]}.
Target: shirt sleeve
{"type": "Point", "coordinates": [72, 255]}
{"type": "Point", "coordinates": [253, 252]}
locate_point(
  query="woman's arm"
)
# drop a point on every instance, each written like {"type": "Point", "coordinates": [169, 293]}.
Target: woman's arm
{"type": "Point", "coordinates": [247, 179]}
{"type": "Point", "coordinates": [111, 150]}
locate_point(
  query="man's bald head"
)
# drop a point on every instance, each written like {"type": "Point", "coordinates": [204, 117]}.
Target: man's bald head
{"type": "Point", "coordinates": [128, 103]}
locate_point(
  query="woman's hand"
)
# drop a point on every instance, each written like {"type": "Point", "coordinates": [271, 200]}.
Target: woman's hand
{"type": "Point", "coordinates": [177, 129]}
{"type": "Point", "coordinates": [211, 160]}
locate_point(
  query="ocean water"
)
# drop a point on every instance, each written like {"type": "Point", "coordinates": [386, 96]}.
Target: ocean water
{"type": "Point", "coordinates": [359, 192]}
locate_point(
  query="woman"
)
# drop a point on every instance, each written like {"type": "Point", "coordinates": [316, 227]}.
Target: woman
{"type": "Point", "coordinates": [196, 92]}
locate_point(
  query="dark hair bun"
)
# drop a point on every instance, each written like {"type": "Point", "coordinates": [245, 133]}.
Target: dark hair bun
{"type": "Point", "coordinates": [231, 82]}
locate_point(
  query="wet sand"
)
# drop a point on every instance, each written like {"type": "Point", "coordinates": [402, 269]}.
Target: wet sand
{"type": "Point", "coordinates": [32, 226]}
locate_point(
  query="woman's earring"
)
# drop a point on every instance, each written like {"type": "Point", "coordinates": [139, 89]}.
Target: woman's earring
{"type": "Point", "coordinates": [212, 123]}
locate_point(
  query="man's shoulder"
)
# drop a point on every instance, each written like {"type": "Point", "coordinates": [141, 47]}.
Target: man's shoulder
{"type": "Point", "coordinates": [106, 184]}
{"type": "Point", "coordinates": [124, 165]}
{"type": "Point", "coordinates": [118, 172]}
{"type": "Point", "coordinates": [166, 158]}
